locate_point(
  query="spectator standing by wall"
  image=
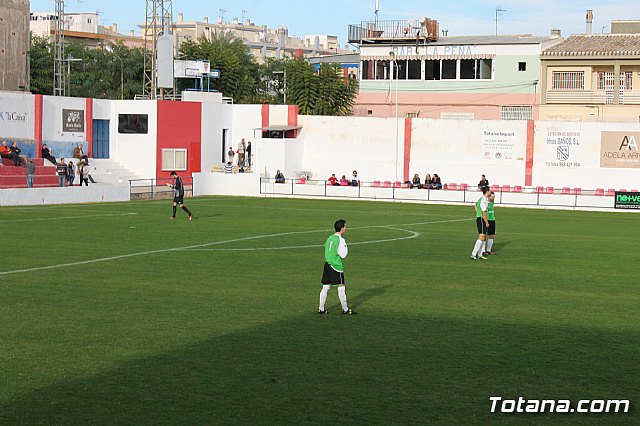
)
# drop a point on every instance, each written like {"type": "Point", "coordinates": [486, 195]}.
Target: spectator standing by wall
{"type": "Point", "coordinates": [483, 182]}
{"type": "Point", "coordinates": [83, 172]}
{"type": "Point", "coordinates": [31, 170]}
{"type": "Point", "coordinates": [62, 170]}
{"type": "Point", "coordinates": [72, 173]}
{"type": "Point", "coordinates": [248, 153]}
{"type": "Point", "coordinates": [230, 155]}
{"type": "Point", "coordinates": [241, 150]}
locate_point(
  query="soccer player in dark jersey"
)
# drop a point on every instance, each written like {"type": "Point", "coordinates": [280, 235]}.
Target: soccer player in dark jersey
{"type": "Point", "coordinates": [178, 195]}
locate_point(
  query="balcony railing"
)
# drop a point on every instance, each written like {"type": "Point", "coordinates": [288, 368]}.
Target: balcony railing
{"type": "Point", "coordinates": [394, 30]}
{"type": "Point", "coordinates": [595, 97]}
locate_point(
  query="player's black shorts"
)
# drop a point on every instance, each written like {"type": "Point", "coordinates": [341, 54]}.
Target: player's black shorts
{"type": "Point", "coordinates": [178, 200]}
{"type": "Point", "coordinates": [482, 227]}
{"type": "Point", "coordinates": [492, 227]}
{"type": "Point", "coordinates": [331, 276]}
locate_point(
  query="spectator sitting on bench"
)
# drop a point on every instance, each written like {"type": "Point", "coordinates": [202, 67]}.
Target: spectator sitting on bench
{"type": "Point", "coordinates": [46, 153]}
{"type": "Point", "coordinates": [79, 154]}
{"type": "Point", "coordinates": [344, 181]}
{"type": "Point", "coordinates": [428, 182]}
{"type": "Point", "coordinates": [436, 183]}
{"type": "Point", "coordinates": [415, 182]}
{"type": "Point", "coordinates": [18, 160]}
{"type": "Point", "coordinates": [5, 152]}
{"type": "Point", "coordinates": [354, 179]}
{"type": "Point", "coordinates": [228, 168]}
{"type": "Point", "coordinates": [279, 177]}
{"type": "Point", "coordinates": [333, 180]}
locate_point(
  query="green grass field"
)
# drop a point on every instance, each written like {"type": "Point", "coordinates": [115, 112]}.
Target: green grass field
{"type": "Point", "coordinates": [112, 314]}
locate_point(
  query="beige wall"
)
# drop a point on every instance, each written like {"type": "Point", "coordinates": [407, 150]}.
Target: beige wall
{"type": "Point", "coordinates": [14, 42]}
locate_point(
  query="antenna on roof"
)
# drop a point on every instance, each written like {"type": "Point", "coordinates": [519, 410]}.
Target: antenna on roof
{"type": "Point", "coordinates": [376, 12]}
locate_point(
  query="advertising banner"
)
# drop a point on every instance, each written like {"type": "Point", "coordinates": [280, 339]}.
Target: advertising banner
{"type": "Point", "coordinates": [16, 118]}
{"type": "Point", "coordinates": [620, 150]}
{"type": "Point", "coordinates": [627, 200]}
{"type": "Point", "coordinates": [499, 145]}
{"type": "Point", "coordinates": [73, 120]}
{"type": "Point", "coordinates": [563, 149]}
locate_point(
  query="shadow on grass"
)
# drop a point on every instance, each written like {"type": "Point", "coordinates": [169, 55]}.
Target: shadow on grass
{"type": "Point", "coordinates": [369, 369]}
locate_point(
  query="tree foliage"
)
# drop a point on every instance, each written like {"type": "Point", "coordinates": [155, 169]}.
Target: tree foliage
{"type": "Point", "coordinates": [325, 92]}
{"type": "Point", "coordinates": [105, 72]}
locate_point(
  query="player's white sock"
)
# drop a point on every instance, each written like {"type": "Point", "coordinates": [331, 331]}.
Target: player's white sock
{"type": "Point", "coordinates": [342, 295]}
{"type": "Point", "coordinates": [323, 296]}
{"type": "Point", "coordinates": [477, 247]}
{"type": "Point", "coordinates": [489, 244]}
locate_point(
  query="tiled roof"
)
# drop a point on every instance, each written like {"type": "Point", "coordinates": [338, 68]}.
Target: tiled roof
{"type": "Point", "coordinates": [596, 45]}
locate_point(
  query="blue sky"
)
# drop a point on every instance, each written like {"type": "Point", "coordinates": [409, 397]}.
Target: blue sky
{"type": "Point", "coordinates": [471, 17]}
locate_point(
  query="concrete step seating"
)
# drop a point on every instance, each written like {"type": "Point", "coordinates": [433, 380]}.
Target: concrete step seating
{"type": "Point", "coordinates": [16, 177]}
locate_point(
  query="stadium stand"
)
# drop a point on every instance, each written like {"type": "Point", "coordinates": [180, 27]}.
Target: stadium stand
{"type": "Point", "coordinates": [577, 191]}
{"type": "Point", "coordinates": [387, 184]}
{"type": "Point", "coordinates": [506, 188]}
{"type": "Point", "coordinates": [611, 192]}
{"type": "Point", "coordinates": [453, 186]}
{"type": "Point", "coordinates": [600, 191]}
{"type": "Point", "coordinates": [463, 186]}
{"type": "Point", "coordinates": [566, 190]}
{"type": "Point", "coordinates": [376, 184]}
{"type": "Point", "coordinates": [16, 177]}
{"type": "Point", "coordinates": [517, 188]}
{"type": "Point", "coordinates": [549, 190]}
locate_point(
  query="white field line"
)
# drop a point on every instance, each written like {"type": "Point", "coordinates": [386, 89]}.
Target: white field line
{"type": "Point", "coordinates": [413, 235]}
{"type": "Point", "coordinates": [195, 246]}
{"type": "Point", "coordinates": [42, 219]}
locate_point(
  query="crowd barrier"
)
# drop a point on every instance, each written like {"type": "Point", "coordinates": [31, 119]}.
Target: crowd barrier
{"type": "Point", "coordinates": [526, 196]}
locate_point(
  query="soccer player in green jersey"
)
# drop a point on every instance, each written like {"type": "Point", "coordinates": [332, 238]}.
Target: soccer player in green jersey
{"type": "Point", "coordinates": [335, 249]}
{"type": "Point", "coordinates": [482, 223]}
{"type": "Point", "coordinates": [491, 230]}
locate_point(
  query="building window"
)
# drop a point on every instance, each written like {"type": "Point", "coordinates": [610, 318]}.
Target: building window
{"type": "Point", "coordinates": [382, 68]}
{"type": "Point", "coordinates": [412, 114]}
{"type": "Point", "coordinates": [174, 159]}
{"type": "Point", "coordinates": [133, 123]}
{"type": "Point", "coordinates": [568, 80]}
{"type": "Point", "coordinates": [467, 69]}
{"type": "Point", "coordinates": [414, 70]}
{"type": "Point", "coordinates": [522, 66]}
{"type": "Point", "coordinates": [516, 113]}
{"type": "Point", "coordinates": [449, 69]}
{"type": "Point", "coordinates": [367, 70]}
{"type": "Point", "coordinates": [605, 80]}
{"type": "Point", "coordinates": [432, 70]}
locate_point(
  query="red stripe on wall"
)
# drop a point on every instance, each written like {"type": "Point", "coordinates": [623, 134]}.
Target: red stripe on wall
{"type": "Point", "coordinates": [528, 173]}
{"type": "Point", "coordinates": [265, 115]}
{"type": "Point", "coordinates": [407, 149]}
{"type": "Point", "coordinates": [292, 120]}
{"type": "Point", "coordinates": [37, 131]}
{"type": "Point", "coordinates": [180, 127]}
{"type": "Point", "coordinates": [88, 113]}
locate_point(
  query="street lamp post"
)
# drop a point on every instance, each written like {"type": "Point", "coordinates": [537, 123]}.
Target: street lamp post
{"type": "Point", "coordinates": [121, 75]}
{"type": "Point", "coordinates": [392, 75]}
{"type": "Point", "coordinates": [69, 60]}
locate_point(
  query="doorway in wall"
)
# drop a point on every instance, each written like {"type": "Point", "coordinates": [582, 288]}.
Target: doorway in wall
{"type": "Point", "coordinates": [100, 142]}
{"type": "Point", "coordinates": [225, 135]}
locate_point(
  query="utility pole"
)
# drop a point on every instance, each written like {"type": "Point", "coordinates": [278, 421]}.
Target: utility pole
{"type": "Point", "coordinates": [59, 78]}
{"type": "Point", "coordinates": [159, 19]}
{"type": "Point", "coordinates": [498, 10]}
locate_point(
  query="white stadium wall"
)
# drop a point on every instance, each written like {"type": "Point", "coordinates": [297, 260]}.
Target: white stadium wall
{"type": "Point", "coordinates": [136, 152]}
{"type": "Point", "coordinates": [580, 146]}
